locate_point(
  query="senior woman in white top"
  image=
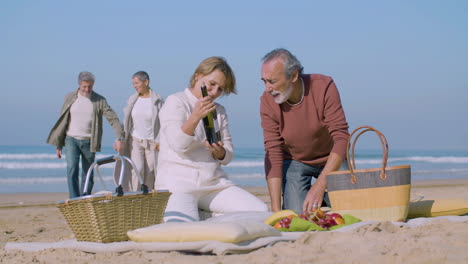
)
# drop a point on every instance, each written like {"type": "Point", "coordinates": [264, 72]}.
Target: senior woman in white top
{"type": "Point", "coordinates": [188, 165]}
{"type": "Point", "coordinates": [141, 126]}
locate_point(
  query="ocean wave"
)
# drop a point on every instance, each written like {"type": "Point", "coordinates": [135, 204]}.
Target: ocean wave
{"type": "Point", "coordinates": [245, 164]}
{"type": "Point", "coordinates": [22, 163]}
{"type": "Point", "coordinates": [63, 164]}
{"type": "Point", "coordinates": [426, 159]}
{"type": "Point", "coordinates": [45, 180]}
{"type": "Point", "coordinates": [443, 171]}
{"type": "Point", "coordinates": [233, 176]}
{"type": "Point", "coordinates": [27, 156]}
{"type": "Point", "coordinates": [40, 165]}
{"type": "Point", "coordinates": [107, 179]}
{"type": "Point", "coordinates": [447, 160]}
{"type": "Point", "coordinates": [246, 176]}
{"type": "Point", "coordinates": [36, 156]}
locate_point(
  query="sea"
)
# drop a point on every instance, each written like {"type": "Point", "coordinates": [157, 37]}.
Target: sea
{"type": "Point", "coordinates": [37, 169]}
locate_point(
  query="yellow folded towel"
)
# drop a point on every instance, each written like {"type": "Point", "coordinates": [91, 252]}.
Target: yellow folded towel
{"type": "Point", "coordinates": [438, 207]}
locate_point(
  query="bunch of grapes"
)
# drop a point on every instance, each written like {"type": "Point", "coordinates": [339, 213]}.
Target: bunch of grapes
{"type": "Point", "coordinates": [326, 222]}
{"type": "Point", "coordinates": [318, 217]}
{"type": "Point", "coordinates": [285, 222]}
{"type": "Point", "coordinates": [323, 220]}
{"type": "Point", "coordinates": [305, 216]}
{"type": "Point", "coordinates": [329, 220]}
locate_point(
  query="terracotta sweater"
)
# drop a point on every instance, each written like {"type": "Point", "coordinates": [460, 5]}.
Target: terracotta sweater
{"type": "Point", "coordinates": [307, 132]}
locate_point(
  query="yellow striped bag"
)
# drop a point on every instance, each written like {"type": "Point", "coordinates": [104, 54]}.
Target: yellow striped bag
{"type": "Point", "coordinates": [380, 194]}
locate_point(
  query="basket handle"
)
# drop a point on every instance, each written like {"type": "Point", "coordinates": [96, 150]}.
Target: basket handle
{"type": "Point", "coordinates": [110, 159]}
{"type": "Point", "coordinates": [351, 161]}
{"type": "Point", "coordinates": [105, 160]}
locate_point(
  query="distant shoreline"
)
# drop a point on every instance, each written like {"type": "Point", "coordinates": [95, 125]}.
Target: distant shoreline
{"type": "Point", "coordinates": [110, 148]}
{"type": "Point", "coordinates": [442, 187]}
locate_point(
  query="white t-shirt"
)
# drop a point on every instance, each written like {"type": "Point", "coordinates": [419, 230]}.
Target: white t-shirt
{"type": "Point", "coordinates": [142, 115]}
{"type": "Point", "coordinates": [81, 116]}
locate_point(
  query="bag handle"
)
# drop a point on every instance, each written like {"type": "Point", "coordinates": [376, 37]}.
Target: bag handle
{"type": "Point", "coordinates": [110, 159]}
{"type": "Point", "coordinates": [351, 161]}
{"type": "Point", "coordinates": [383, 141]}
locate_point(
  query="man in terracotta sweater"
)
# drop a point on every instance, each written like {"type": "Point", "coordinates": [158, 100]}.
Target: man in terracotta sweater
{"type": "Point", "coordinates": [305, 132]}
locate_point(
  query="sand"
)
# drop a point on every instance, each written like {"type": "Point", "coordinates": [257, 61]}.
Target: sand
{"type": "Point", "coordinates": [33, 217]}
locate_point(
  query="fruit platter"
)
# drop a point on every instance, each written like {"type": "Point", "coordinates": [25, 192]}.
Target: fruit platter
{"type": "Point", "coordinates": [318, 220]}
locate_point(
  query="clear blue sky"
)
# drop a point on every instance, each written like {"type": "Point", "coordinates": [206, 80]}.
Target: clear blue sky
{"type": "Point", "coordinates": [401, 66]}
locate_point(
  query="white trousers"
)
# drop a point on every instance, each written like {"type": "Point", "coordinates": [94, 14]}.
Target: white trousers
{"type": "Point", "coordinates": [183, 207]}
{"type": "Point", "coordinates": [144, 156]}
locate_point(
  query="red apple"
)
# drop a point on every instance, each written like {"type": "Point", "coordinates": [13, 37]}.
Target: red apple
{"type": "Point", "coordinates": [324, 223]}
{"type": "Point", "coordinates": [337, 218]}
{"type": "Point", "coordinates": [329, 219]}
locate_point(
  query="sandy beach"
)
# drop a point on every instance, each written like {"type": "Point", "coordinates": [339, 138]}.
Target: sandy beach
{"type": "Point", "coordinates": [33, 217]}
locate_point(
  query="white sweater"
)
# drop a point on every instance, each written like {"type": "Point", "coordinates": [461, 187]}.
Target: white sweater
{"type": "Point", "coordinates": [81, 116]}
{"type": "Point", "coordinates": [184, 163]}
{"type": "Point", "coordinates": [142, 115]}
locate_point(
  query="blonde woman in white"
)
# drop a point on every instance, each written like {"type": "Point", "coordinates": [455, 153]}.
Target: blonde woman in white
{"type": "Point", "coordinates": [141, 127]}
{"type": "Point", "coordinates": [188, 165]}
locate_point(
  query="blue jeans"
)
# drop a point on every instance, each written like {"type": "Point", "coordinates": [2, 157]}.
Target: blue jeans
{"type": "Point", "coordinates": [76, 148]}
{"type": "Point", "coordinates": [297, 180]}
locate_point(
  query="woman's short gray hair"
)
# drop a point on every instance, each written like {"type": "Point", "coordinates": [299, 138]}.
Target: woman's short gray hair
{"type": "Point", "coordinates": [291, 63]}
{"type": "Point", "coordinates": [141, 75]}
{"type": "Point", "coordinates": [86, 77]}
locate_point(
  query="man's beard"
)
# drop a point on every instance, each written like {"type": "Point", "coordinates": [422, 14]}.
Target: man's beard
{"type": "Point", "coordinates": [283, 97]}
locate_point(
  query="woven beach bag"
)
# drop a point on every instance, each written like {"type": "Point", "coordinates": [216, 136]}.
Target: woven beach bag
{"type": "Point", "coordinates": [380, 194]}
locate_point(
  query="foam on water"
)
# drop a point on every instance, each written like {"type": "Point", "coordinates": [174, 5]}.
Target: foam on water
{"type": "Point", "coordinates": [448, 159]}
{"type": "Point", "coordinates": [36, 156]}
{"type": "Point", "coordinates": [33, 164]}
{"type": "Point", "coordinates": [245, 164]}
{"type": "Point", "coordinates": [232, 176]}
{"type": "Point", "coordinates": [44, 180]}
{"type": "Point", "coordinates": [23, 167]}
{"type": "Point", "coordinates": [8, 156]}
{"type": "Point", "coordinates": [246, 176]}
{"type": "Point", "coordinates": [39, 165]}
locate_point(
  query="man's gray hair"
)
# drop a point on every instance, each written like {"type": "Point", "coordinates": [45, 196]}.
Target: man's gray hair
{"type": "Point", "coordinates": [291, 63]}
{"type": "Point", "coordinates": [86, 77]}
{"type": "Point", "coordinates": [141, 75]}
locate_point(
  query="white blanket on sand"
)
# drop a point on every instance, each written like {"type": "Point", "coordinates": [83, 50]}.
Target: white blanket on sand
{"type": "Point", "coordinates": [213, 247]}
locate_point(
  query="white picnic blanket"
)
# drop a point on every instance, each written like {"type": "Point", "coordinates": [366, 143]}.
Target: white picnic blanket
{"type": "Point", "coordinates": [214, 247]}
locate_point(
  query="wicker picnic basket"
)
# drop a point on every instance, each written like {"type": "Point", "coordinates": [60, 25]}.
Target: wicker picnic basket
{"type": "Point", "coordinates": [107, 217]}
{"type": "Point", "coordinates": [380, 194]}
